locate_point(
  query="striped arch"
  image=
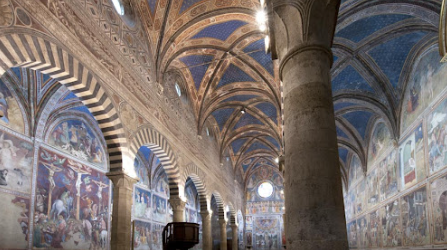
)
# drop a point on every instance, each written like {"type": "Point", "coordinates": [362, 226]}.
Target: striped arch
{"type": "Point", "coordinates": [220, 205]}
{"type": "Point", "coordinates": [161, 148]}
{"type": "Point", "coordinates": [232, 218]}
{"type": "Point", "coordinates": [37, 52]}
{"type": "Point", "coordinates": [196, 175]}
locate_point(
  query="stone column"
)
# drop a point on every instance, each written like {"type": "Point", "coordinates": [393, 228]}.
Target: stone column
{"type": "Point", "coordinates": [223, 234]}
{"type": "Point", "coordinates": [121, 238]}
{"type": "Point", "coordinates": [178, 209]}
{"type": "Point", "coordinates": [234, 231]}
{"type": "Point", "coordinates": [302, 37]}
{"type": "Point", "coordinates": [207, 238]}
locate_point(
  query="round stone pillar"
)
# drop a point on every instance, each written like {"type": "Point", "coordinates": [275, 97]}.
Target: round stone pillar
{"type": "Point", "coordinates": [121, 237]}
{"type": "Point", "coordinates": [207, 238]}
{"type": "Point", "coordinates": [234, 241]}
{"type": "Point", "coordinates": [302, 36]}
{"type": "Point", "coordinates": [223, 234]}
{"type": "Point", "coordinates": [178, 209]}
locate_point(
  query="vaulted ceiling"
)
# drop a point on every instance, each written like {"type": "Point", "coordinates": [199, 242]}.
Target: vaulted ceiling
{"type": "Point", "coordinates": [234, 87]}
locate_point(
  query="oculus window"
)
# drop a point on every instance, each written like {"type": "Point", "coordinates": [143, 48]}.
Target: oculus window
{"type": "Point", "coordinates": [265, 190]}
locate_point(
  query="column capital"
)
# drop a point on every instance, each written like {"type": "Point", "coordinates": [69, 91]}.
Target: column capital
{"type": "Point", "coordinates": [298, 24]}
{"type": "Point", "coordinates": [222, 222]}
{"type": "Point", "coordinates": [122, 180]}
{"type": "Point", "coordinates": [206, 214]}
{"type": "Point", "coordinates": [177, 204]}
{"type": "Point", "coordinates": [234, 226]}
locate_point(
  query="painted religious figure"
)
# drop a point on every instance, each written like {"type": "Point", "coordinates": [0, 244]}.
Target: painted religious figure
{"type": "Point", "coordinates": [411, 153]}
{"type": "Point", "coordinates": [388, 176]}
{"type": "Point", "coordinates": [16, 163]}
{"type": "Point", "coordinates": [391, 227]}
{"type": "Point", "coordinates": [11, 114]}
{"type": "Point", "coordinates": [71, 206]}
{"type": "Point", "coordinates": [372, 188]}
{"type": "Point", "coordinates": [415, 219]}
{"type": "Point", "coordinates": [158, 208]}
{"type": "Point", "coordinates": [360, 196]}
{"type": "Point", "coordinates": [439, 209]}
{"type": "Point", "coordinates": [77, 139]}
{"type": "Point", "coordinates": [374, 226]}
{"type": "Point", "coordinates": [362, 232]}
{"type": "Point", "coordinates": [266, 232]}
{"type": "Point", "coordinates": [142, 204]}
{"type": "Point", "coordinates": [437, 139]}
{"type": "Point", "coordinates": [355, 171]}
{"type": "Point", "coordinates": [380, 141]}
{"type": "Point", "coordinates": [142, 236]}
{"type": "Point", "coordinates": [425, 83]}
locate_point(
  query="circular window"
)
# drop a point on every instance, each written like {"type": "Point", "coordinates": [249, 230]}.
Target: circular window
{"type": "Point", "coordinates": [118, 7]}
{"type": "Point", "coordinates": [265, 190]}
{"type": "Point", "coordinates": [178, 89]}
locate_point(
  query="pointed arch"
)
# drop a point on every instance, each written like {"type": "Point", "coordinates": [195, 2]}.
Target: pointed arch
{"type": "Point", "coordinates": [38, 52]}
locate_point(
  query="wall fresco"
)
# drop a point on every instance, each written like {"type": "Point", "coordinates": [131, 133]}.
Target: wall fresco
{"type": "Point", "coordinates": [388, 176]}
{"type": "Point", "coordinates": [374, 234]}
{"type": "Point", "coordinates": [360, 198]}
{"type": "Point", "coordinates": [425, 83]}
{"type": "Point", "coordinates": [12, 116]}
{"type": "Point", "coordinates": [142, 235]}
{"type": "Point", "coordinates": [159, 208]}
{"type": "Point", "coordinates": [352, 234]}
{"type": "Point", "coordinates": [157, 240]}
{"type": "Point", "coordinates": [267, 232]}
{"type": "Point", "coordinates": [439, 209]}
{"type": "Point", "coordinates": [72, 204]}
{"type": "Point", "coordinates": [16, 163]}
{"type": "Point", "coordinates": [15, 217]}
{"type": "Point", "coordinates": [412, 160]}
{"type": "Point", "coordinates": [373, 188]}
{"type": "Point", "coordinates": [142, 207]}
{"type": "Point", "coordinates": [391, 226]}
{"type": "Point", "coordinates": [355, 170]}
{"type": "Point", "coordinates": [379, 142]}
{"type": "Point", "coordinates": [437, 139]}
{"type": "Point", "coordinates": [76, 138]}
{"type": "Point", "coordinates": [143, 173]}
{"type": "Point", "coordinates": [362, 232]}
{"type": "Point", "coordinates": [415, 218]}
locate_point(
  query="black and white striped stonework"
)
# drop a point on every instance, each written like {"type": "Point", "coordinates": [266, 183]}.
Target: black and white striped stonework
{"type": "Point", "coordinates": [39, 53]}
{"type": "Point", "coordinates": [161, 148]}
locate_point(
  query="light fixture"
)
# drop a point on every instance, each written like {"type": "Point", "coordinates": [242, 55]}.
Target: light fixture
{"type": "Point", "coordinates": [277, 159]}
{"type": "Point", "coordinates": [261, 17]}
{"type": "Point", "coordinates": [243, 111]}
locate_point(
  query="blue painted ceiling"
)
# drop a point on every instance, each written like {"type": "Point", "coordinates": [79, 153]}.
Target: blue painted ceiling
{"type": "Point", "coordinates": [372, 48]}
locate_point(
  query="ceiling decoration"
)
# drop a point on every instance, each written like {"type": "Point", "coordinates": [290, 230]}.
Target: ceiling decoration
{"type": "Point", "coordinates": [233, 84]}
